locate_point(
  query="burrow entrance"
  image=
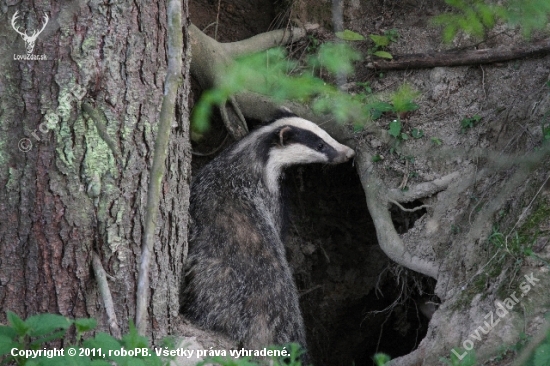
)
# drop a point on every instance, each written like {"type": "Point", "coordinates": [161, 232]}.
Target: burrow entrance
{"type": "Point", "coordinates": [355, 301]}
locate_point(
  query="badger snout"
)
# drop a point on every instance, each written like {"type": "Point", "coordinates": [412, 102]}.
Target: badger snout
{"type": "Point", "coordinates": [344, 155]}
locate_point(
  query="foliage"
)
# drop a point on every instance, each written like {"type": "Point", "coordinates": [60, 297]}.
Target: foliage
{"type": "Point", "coordinates": [416, 133]}
{"type": "Point", "coordinates": [469, 122]}
{"type": "Point", "coordinates": [475, 17]}
{"type": "Point", "coordinates": [401, 103]}
{"type": "Point", "coordinates": [403, 99]}
{"type": "Point", "coordinates": [545, 123]}
{"type": "Point", "coordinates": [348, 35]}
{"type": "Point", "coordinates": [505, 352]}
{"type": "Point", "coordinates": [376, 158]}
{"type": "Point", "coordinates": [365, 85]}
{"type": "Point", "coordinates": [31, 337]}
{"type": "Point", "coordinates": [312, 44]}
{"type": "Point", "coordinates": [467, 360]}
{"type": "Point", "coordinates": [546, 132]}
{"type": "Point", "coordinates": [266, 73]}
{"type": "Point", "coordinates": [395, 129]}
{"type": "Point", "coordinates": [381, 42]}
{"type": "Point", "coordinates": [36, 331]}
{"type": "Point", "coordinates": [540, 356]}
{"type": "Point", "coordinates": [381, 359]}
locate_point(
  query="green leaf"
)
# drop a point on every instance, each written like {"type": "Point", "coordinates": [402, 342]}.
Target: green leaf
{"type": "Point", "coordinates": [376, 158]}
{"type": "Point", "coordinates": [416, 133]}
{"type": "Point", "coordinates": [84, 324]}
{"type": "Point", "coordinates": [404, 136]}
{"type": "Point", "coordinates": [337, 58]}
{"type": "Point", "coordinates": [383, 54]}
{"type": "Point", "coordinates": [100, 363]}
{"type": "Point", "coordinates": [449, 33]}
{"type": "Point", "coordinates": [542, 355]}
{"type": "Point", "coordinates": [403, 99]}
{"type": "Point", "coordinates": [381, 359]}
{"type": "Point", "coordinates": [17, 323]}
{"type": "Point", "coordinates": [376, 109]}
{"type": "Point", "coordinates": [103, 341]}
{"type": "Point", "coordinates": [436, 141]}
{"type": "Point", "coordinates": [394, 128]}
{"type": "Point", "coordinates": [43, 324]}
{"type": "Point", "coordinates": [7, 332]}
{"type": "Point", "coordinates": [6, 344]}
{"type": "Point", "coordinates": [133, 339]}
{"type": "Point", "coordinates": [348, 35]}
{"type": "Point", "coordinates": [380, 41]}
{"type": "Point", "coordinates": [365, 85]}
{"type": "Point", "coordinates": [49, 337]}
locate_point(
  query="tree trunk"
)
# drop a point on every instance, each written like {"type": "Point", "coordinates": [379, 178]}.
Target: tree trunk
{"type": "Point", "coordinates": [90, 112]}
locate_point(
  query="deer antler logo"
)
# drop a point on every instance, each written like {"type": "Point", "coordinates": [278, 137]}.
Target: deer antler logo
{"type": "Point", "coordinates": [29, 40]}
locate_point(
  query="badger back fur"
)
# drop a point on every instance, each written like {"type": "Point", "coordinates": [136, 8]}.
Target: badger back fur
{"type": "Point", "coordinates": [237, 279]}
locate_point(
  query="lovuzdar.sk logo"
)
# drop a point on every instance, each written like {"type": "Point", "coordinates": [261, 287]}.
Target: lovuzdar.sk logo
{"type": "Point", "coordinates": [29, 39]}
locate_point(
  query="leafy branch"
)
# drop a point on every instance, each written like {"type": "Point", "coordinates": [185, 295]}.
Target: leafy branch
{"type": "Point", "coordinates": [266, 73]}
{"type": "Point", "coordinates": [475, 17]}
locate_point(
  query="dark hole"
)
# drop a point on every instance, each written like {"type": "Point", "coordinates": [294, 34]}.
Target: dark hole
{"type": "Point", "coordinates": [332, 247]}
{"type": "Point", "coordinates": [403, 221]}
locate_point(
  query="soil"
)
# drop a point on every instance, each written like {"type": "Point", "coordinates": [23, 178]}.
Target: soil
{"type": "Point", "coordinates": [355, 301]}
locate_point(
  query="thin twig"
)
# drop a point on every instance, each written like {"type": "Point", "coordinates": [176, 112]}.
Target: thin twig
{"type": "Point", "coordinates": [217, 21]}
{"type": "Point", "coordinates": [405, 177]}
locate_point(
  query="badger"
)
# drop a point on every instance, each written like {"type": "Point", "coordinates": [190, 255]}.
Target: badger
{"type": "Point", "coordinates": [237, 279]}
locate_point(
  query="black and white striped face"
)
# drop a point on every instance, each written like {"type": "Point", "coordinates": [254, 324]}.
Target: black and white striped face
{"type": "Point", "coordinates": [289, 140]}
{"type": "Point", "coordinates": [293, 140]}
{"type": "Point", "coordinates": [301, 142]}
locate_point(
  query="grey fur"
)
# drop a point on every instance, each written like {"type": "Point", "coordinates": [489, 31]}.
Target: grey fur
{"type": "Point", "coordinates": [238, 280]}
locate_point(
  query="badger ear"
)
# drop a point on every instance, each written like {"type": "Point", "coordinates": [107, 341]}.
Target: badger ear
{"type": "Point", "coordinates": [284, 135]}
{"type": "Point", "coordinates": [283, 112]}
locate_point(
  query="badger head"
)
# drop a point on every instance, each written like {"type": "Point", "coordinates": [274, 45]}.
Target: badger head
{"type": "Point", "coordinates": [299, 141]}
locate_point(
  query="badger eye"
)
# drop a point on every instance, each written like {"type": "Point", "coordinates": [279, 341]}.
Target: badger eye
{"type": "Point", "coordinates": [320, 146]}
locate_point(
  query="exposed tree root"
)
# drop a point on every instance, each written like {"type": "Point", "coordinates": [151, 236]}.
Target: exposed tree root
{"type": "Point", "coordinates": [463, 58]}
{"type": "Point", "coordinates": [422, 190]}
{"type": "Point", "coordinates": [377, 202]}
{"type": "Point", "coordinates": [211, 57]}
{"type": "Point", "coordinates": [233, 119]}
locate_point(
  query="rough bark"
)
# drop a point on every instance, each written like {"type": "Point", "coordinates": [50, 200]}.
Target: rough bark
{"type": "Point", "coordinates": [156, 175]}
{"type": "Point", "coordinates": [83, 184]}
